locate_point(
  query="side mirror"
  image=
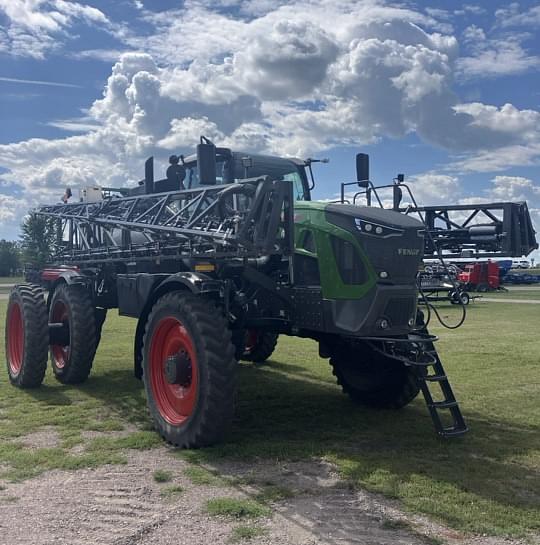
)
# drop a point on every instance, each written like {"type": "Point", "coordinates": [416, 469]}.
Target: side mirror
{"type": "Point", "coordinates": [206, 162]}
{"type": "Point", "coordinates": [397, 196]}
{"type": "Point", "coordinates": [362, 169]}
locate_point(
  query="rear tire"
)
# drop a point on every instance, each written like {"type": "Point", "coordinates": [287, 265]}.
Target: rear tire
{"type": "Point", "coordinates": [259, 345]}
{"type": "Point", "coordinates": [27, 336]}
{"type": "Point", "coordinates": [189, 370]}
{"type": "Point", "coordinates": [372, 379]}
{"type": "Point", "coordinates": [72, 355]}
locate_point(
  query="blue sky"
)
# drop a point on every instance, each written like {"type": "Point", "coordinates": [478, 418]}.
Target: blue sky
{"type": "Point", "coordinates": [448, 93]}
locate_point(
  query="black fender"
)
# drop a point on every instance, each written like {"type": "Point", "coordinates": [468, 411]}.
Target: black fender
{"type": "Point", "coordinates": [52, 278]}
{"type": "Point", "coordinates": [197, 283]}
{"type": "Point", "coordinates": [194, 282]}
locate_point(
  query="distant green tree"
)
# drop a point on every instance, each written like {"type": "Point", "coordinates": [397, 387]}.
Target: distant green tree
{"type": "Point", "coordinates": [39, 239]}
{"type": "Point", "coordinates": [10, 258]}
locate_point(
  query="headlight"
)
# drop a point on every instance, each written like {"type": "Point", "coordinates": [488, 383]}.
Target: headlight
{"type": "Point", "coordinates": [377, 230]}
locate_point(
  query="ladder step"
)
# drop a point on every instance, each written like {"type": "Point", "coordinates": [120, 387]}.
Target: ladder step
{"type": "Point", "coordinates": [443, 404]}
{"type": "Point", "coordinates": [453, 432]}
{"type": "Point", "coordinates": [435, 378]}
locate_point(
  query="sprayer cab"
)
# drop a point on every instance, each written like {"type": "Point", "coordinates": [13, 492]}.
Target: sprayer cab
{"type": "Point", "coordinates": [212, 166]}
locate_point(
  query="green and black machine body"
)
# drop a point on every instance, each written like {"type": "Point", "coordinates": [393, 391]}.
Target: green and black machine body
{"type": "Point", "coordinates": [216, 268]}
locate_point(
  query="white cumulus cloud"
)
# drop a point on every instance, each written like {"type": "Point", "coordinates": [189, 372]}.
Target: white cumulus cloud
{"type": "Point", "coordinates": [285, 78]}
{"type": "Point", "coordinates": [34, 26]}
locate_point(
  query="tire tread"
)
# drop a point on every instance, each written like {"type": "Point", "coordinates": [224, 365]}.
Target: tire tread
{"type": "Point", "coordinates": [212, 338]}
{"type": "Point", "coordinates": [83, 334]}
{"type": "Point", "coordinates": [393, 396]}
{"type": "Point", "coordinates": [36, 335]}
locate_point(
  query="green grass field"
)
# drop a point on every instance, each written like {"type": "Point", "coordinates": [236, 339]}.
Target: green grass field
{"type": "Point", "coordinates": [5, 282]}
{"type": "Point", "coordinates": [525, 292]}
{"type": "Point", "coordinates": [11, 279]}
{"type": "Point", "coordinates": [486, 482]}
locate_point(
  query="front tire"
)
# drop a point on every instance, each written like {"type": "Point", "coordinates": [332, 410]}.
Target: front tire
{"type": "Point", "coordinates": [27, 336]}
{"type": "Point", "coordinates": [189, 370]}
{"type": "Point", "coordinates": [369, 378]}
{"type": "Point", "coordinates": [73, 345]}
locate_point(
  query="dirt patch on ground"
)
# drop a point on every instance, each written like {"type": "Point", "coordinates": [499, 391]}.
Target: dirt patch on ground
{"type": "Point", "coordinates": [124, 505]}
{"type": "Point", "coordinates": [46, 437]}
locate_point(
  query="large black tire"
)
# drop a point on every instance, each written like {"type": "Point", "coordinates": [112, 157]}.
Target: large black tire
{"type": "Point", "coordinates": [73, 350]}
{"type": "Point", "coordinates": [189, 370]}
{"type": "Point", "coordinates": [27, 336]}
{"type": "Point", "coordinates": [372, 379]}
{"type": "Point", "coordinates": [259, 345]}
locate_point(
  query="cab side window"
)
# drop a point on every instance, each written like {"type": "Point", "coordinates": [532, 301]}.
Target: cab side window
{"type": "Point", "coordinates": [298, 186]}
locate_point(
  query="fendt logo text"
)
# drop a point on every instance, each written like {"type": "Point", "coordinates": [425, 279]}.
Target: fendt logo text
{"type": "Point", "coordinates": [408, 251]}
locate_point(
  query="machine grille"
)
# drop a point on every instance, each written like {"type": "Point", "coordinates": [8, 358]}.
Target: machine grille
{"type": "Point", "coordinates": [400, 309]}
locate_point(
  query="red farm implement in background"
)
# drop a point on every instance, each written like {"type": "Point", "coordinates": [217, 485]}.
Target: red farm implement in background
{"type": "Point", "coordinates": [480, 277]}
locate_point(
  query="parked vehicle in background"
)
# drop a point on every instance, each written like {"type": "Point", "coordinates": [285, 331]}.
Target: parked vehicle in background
{"type": "Point", "coordinates": [522, 278]}
{"type": "Point", "coordinates": [520, 264]}
{"type": "Point", "coordinates": [481, 277]}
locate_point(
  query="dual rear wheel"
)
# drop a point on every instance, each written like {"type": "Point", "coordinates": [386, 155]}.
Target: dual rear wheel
{"type": "Point", "coordinates": [66, 330]}
{"type": "Point", "coordinates": [26, 336]}
{"type": "Point", "coordinates": [189, 368]}
{"type": "Point", "coordinates": [73, 341]}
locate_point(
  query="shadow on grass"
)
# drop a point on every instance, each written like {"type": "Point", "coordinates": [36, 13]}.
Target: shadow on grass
{"type": "Point", "coordinates": [288, 368]}
{"type": "Point", "coordinates": [51, 395]}
{"type": "Point", "coordinates": [479, 482]}
{"type": "Point", "coordinates": [282, 417]}
{"type": "Point", "coordinates": [105, 402]}
{"type": "Point", "coordinates": [120, 392]}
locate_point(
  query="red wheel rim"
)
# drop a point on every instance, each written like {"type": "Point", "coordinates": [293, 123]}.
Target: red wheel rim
{"type": "Point", "coordinates": [15, 338]}
{"type": "Point", "coordinates": [252, 336]}
{"type": "Point", "coordinates": [175, 402]}
{"type": "Point", "coordinates": [60, 353]}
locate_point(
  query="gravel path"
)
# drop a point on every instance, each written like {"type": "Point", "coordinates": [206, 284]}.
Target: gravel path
{"type": "Point", "coordinates": [123, 505]}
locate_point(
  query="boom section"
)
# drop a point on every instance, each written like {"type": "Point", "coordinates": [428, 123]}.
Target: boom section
{"type": "Point", "coordinates": [501, 229]}
{"type": "Point", "coordinates": [246, 219]}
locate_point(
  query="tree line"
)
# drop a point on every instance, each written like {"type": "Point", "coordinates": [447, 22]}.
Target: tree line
{"type": "Point", "coordinates": [36, 245]}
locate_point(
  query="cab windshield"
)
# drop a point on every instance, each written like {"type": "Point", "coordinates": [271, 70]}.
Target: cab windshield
{"type": "Point", "coordinates": [231, 169]}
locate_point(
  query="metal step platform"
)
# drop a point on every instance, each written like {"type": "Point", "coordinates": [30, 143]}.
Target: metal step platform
{"type": "Point", "coordinates": [449, 403]}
